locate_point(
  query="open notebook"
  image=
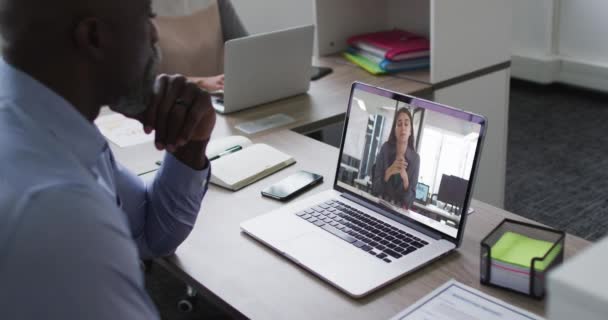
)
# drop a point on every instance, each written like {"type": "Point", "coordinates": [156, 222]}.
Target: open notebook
{"type": "Point", "coordinates": [237, 162]}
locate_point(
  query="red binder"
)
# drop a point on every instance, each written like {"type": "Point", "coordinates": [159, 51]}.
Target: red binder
{"type": "Point", "coordinates": [393, 45]}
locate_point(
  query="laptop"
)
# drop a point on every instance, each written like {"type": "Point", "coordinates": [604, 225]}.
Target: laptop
{"type": "Point", "coordinates": [265, 67]}
{"type": "Point", "coordinates": [359, 237]}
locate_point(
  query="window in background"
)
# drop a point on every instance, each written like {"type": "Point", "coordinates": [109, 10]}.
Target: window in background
{"type": "Point", "coordinates": [373, 137]}
{"type": "Point", "coordinates": [429, 156]}
{"type": "Point", "coordinates": [444, 152]}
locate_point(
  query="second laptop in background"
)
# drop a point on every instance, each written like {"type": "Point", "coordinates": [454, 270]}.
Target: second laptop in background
{"type": "Point", "coordinates": [266, 67]}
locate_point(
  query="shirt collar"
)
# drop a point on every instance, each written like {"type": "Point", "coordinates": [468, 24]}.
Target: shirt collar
{"type": "Point", "coordinates": [52, 112]}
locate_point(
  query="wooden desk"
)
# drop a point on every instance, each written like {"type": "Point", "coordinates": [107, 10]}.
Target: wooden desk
{"type": "Point", "coordinates": [220, 260]}
{"type": "Point", "coordinates": [251, 280]}
{"type": "Point", "coordinates": [325, 103]}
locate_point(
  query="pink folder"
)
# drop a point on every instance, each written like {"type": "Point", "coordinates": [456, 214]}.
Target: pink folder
{"type": "Point", "coordinates": [394, 44]}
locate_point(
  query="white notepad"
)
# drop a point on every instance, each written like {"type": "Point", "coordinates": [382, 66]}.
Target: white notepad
{"type": "Point", "coordinates": [243, 167]}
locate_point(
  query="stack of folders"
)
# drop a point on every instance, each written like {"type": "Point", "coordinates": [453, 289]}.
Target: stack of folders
{"type": "Point", "coordinates": [389, 51]}
{"type": "Point", "coordinates": [511, 261]}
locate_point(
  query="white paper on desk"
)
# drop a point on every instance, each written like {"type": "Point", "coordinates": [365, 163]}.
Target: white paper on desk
{"type": "Point", "coordinates": [456, 301]}
{"type": "Point", "coordinates": [122, 131]}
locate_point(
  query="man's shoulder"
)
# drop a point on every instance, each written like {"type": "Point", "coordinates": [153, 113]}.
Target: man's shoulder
{"type": "Point", "coordinates": [63, 208]}
{"type": "Point", "coordinates": [26, 145]}
{"type": "Point", "coordinates": [31, 159]}
{"type": "Point", "coordinates": [27, 177]}
{"type": "Point", "coordinates": [43, 182]}
{"type": "Point", "coordinates": [66, 199]}
{"type": "Point", "coordinates": [69, 239]}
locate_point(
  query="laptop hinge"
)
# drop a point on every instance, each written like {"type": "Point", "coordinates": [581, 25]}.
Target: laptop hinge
{"type": "Point", "coordinates": [405, 221]}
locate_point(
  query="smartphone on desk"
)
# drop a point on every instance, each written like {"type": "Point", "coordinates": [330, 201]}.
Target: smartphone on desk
{"type": "Point", "coordinates": [293, 185]}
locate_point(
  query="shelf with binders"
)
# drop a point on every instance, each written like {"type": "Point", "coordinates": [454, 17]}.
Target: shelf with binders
{"type": "Point", "coordinates": [469, 60]}
{"type": "Point", "coordinates": [465, 36]}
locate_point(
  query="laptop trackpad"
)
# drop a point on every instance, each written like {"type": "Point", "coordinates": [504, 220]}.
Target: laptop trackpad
{"type": "Point", "coordinates": [313, 248]}
{"type": "Point", "coordinates": [337, 262]}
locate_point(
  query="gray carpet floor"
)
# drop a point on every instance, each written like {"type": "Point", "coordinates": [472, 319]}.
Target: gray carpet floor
{"type": "Point", "coordinates": [557, 161]}
{"type": "Point", "coordinates": [557, 174]}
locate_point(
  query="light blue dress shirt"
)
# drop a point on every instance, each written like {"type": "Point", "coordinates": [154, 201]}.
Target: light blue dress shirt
{"type": "Point", "coordinates": [73, 222]}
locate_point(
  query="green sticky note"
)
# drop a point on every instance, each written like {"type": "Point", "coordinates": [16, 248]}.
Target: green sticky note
{"type": "Point", "coordinates": [519, 250]}
{"type": "Point", "coordinates": [364, 63]}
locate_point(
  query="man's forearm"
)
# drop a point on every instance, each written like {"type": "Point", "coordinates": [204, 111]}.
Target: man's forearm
{"type": "Point", "coordinates": [174, 199]}
{"type": "Point", "coordinates": [193, 154]}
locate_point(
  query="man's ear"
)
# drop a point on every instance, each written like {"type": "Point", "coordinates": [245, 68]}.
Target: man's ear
{"type": "Point", "coordinates": [91, 38]}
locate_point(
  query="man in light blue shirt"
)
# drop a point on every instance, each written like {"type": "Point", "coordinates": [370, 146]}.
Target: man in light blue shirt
{"type": "Point", "coordinates": [73, 222]}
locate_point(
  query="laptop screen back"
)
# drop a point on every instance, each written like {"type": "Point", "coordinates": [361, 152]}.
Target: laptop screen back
{"type": "Point", "coordinates": [396, 147]}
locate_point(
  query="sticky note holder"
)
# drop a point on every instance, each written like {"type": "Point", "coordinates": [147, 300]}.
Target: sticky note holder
{"type": "Point", "coordinates": [517, 256]}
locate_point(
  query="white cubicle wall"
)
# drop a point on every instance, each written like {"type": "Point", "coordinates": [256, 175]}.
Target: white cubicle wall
{"type": "Point", "coordinates": [465, 35]}
{"type": "Point", "coordinates": [468, 38]}
{"type": "Point", "coordinates": [257, 15]}
{"type": "Point", "coordinates": [487, 95]}
{"type": "Point", "coordinates": [468, 35]}
{"type": "Point", "coordinates": [561, 41]}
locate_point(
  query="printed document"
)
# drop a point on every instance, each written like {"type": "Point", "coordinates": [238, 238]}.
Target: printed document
{"type": "Point", "coordinates": [456, 301]}
{"type": "Point", "coordinates": [123, 131]}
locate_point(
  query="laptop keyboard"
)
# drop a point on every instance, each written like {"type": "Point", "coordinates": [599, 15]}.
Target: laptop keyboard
{"type": "Point", "coordinates": [365, 232]}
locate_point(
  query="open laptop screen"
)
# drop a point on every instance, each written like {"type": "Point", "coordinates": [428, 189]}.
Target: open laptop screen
{"type": "Point", "coordinates": [393, 143]}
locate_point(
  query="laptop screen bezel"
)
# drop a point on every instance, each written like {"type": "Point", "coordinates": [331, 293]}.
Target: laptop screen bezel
{"type": "Point", "coordinates": [427, 105]}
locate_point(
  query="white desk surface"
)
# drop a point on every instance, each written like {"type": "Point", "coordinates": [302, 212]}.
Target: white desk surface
{"type": "Point", "coordinates": [325, 103]}
{"type": "Point", "coordinates": [261, 284]}
{"type": "Point", "coordinates": [224, 264]}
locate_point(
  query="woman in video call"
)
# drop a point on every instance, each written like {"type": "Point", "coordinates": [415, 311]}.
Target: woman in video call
{"type": "Point", "coordinates": [395, 172]}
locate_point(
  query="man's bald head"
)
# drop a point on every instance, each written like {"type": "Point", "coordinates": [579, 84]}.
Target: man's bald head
{"type": "Point", "coordinates": [102, 44]}
{"type": "Point", "coordinates": [31, 20]}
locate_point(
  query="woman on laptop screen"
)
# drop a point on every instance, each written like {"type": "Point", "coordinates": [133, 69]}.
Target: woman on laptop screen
{"type": "Point", "coordinates": [397, 165]}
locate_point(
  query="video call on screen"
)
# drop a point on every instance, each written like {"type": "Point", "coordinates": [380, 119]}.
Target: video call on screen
{"type": "Point", "coordinates": [412, 160]}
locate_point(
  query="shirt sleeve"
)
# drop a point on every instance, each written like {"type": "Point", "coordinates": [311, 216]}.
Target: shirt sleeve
{"type": "Point", "coordinates": [162, 212]}
{"type": "Point", "coordinates": [378, 173]}
{"type": "Point", "coordinates": [72, 257]}
{"type": "Point", "coordinates": [413, 180]}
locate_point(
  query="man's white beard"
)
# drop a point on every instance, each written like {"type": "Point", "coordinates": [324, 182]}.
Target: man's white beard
{"type": "Point", "coordinates": [138, 99]}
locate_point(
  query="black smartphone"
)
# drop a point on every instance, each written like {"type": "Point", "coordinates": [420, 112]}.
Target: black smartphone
{"type": "Point", "coordinates": [292, 185]}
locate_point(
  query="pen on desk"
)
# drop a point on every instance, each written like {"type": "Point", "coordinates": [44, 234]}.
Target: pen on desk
{"type": "Point", "coordinates": [221, 154]}
{"type": "Point", "coordinates": [225, 152]}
